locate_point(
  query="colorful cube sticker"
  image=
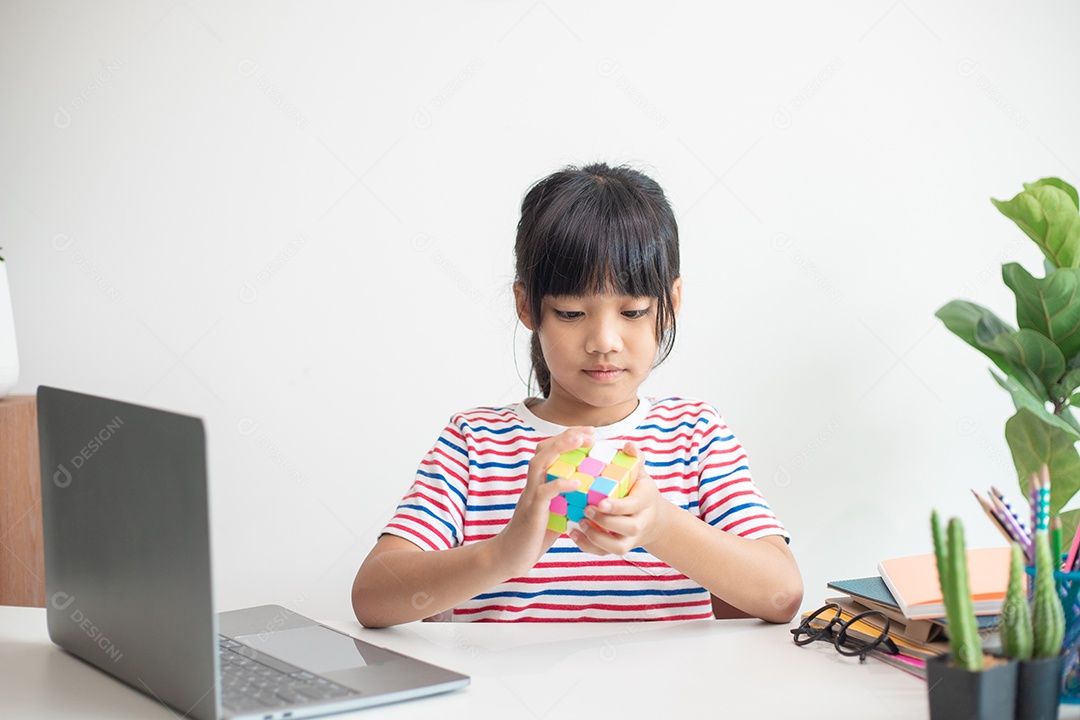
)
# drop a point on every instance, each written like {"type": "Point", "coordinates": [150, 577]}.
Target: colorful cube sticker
{"type": "Point", "coordinates": [591, 466]}
{"type": "Point", "coordinates": [557, 523]}
{"type": "Point", "coordinates": [602, 471]}
{"type": "Point", "coordinates": [574, 457]}
{"type": "Point", "coordinates": [604, 451]}
{"type": "Point", "coordinates": [559, 469]}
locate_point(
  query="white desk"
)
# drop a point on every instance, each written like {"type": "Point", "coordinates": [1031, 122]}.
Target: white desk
{"type": "Point", "coordinates": [729, 668]}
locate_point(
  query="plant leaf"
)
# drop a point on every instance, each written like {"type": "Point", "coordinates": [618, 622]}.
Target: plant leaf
{"type": "Point", "coordinates": [978, 327]}
{"type": "Point", "coordinates": [1049, 216]}
{"type": "Point", "coordinates": [1034, 443]}
{"type": "Point", "coordinates": [1068, 417]}
{"type": "Point", "coordinates": [1070, 382]}
{"type": "Point", "coordinates": [1059, 184]}
{"type": "Point", "coordinates": [1049, 305]}
{"type": "Point", "coordinates": [1034, 352]}
{"type": "Point", "coordinates": [1024, 400]}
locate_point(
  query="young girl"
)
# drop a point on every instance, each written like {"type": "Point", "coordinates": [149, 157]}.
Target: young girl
{"type": "Point", "coordinates": [598, 284]}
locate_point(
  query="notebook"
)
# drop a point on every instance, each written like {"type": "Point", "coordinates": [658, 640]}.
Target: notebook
{"type": "Point", "coordinates": [914, 631]}
{"type": "Point", "coordinates": [868, 588]}
{"type": "Point", "coordinates": [913, 582]}
{"type": "Point", "coordinates": [873, 593]}
{"type": "Point", "coordinates": [128, 580]}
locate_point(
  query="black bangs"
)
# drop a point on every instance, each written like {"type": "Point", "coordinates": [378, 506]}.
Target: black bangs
{"type": "Point", "coordinates": [598, 229]}
{"type": "Point", "coordinates": [594, 230]}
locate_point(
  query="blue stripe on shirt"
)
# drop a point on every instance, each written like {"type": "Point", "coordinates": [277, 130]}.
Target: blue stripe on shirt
{"type": "Point", "coordinates": [493, 431]}
{"type": "Point", "coordinates": [737, 508]}
{"type": "Point", "coordinates": [447, 483]}
{"type": "Point", "coordinates": [673, 428]}
{"type": "Point", "coordinates": [575, 549]}
{"type": "Point", "coordinates": [424, 510]}
{"type": "Point", "coordinates": [480, 508]}
{"type": "Point", "coordinates": [456, 448]}
{"type": "Point", "coordinates": [591, 593]}
{"type": "Point", "coordinates": [715, 478]}
{"type": "Point", "coordinates": [494, 464]}
{"type": "Point", "coordinates": [694, 459]}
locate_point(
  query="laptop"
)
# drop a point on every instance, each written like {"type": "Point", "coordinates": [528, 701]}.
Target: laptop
{"type": "Point", "coordinates": [128, 581]}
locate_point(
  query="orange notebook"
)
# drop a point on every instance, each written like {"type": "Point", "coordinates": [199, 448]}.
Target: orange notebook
{"type": "Point", "coordinates": [913, 581]}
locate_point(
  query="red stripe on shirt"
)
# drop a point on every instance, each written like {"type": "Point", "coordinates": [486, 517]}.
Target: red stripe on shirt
{"type": "Point", "coordinates": [696, 616]}
{"type": "Point", "coordinates": [422, 538]}
{"type": "Point", "coordinates": [725, 500]}
{"type": "Point", "coordinates": [430, 527]}
{"type": "Point", "coordinates": [588, 606]}
{"type": "Point", "coordinates": [433, 501]}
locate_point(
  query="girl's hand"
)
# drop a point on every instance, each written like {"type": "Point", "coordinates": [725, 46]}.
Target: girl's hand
{"type": "Point", "coordinates": [526, 537]}
{"type": "Point", "coordinates": [618, 525]}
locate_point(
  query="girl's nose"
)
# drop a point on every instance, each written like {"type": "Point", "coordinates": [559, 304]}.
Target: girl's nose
{"type": "Point", "coordinates": [604, 337]}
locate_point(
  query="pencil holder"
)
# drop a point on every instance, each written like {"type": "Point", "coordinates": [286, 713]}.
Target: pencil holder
{"type": "Point", "coordinates": [1068, 587]}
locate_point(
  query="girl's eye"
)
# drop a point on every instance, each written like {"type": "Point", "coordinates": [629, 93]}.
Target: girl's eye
{"type": "Point", "coordinates": [568, 314]}
{"type": "Point", "coordinates": [635, 313]}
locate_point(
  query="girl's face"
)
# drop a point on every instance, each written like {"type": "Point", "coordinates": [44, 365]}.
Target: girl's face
{"type": "Point", "coordinates": [599, 349]}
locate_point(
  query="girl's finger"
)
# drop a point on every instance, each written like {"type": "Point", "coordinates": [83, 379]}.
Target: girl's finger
{"type": "Point", "coordinates": [628, 505]}
{"type": "Point", "coordinates": [594, 539]}
{"type": "Point", "coordinates": [585, 544]}
{"type": "Point", "coordinates": [548, 451]}
{"type": "Point", "coordinates": [619, 525]}
{"type": "Point", "coordinates": [549, 490]}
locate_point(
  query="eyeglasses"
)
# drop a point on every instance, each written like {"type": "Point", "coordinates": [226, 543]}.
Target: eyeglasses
{"type": "Point", "coordinates": [820, 625]}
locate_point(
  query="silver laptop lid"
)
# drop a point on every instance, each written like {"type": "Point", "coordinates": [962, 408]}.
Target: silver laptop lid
{"type": "Point", "coordinates": [127, 545]}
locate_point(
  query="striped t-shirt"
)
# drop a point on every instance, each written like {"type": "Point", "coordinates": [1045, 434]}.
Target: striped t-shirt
{"type": "Point", "coordinates": [467, 487]}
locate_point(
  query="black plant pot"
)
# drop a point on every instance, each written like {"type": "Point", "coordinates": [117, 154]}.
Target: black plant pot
{"type": "Point", "coordinates": [959, 694]}
{"type": "Point", "coordinates": [1038, 688]}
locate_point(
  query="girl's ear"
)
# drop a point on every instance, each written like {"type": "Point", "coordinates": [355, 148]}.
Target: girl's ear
{"type": "Point", "coordinates": [676, 296]}
{"type": "Point", "coordinates": [521, 302]}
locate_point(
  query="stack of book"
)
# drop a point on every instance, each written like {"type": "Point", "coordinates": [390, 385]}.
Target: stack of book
{"type": "Point", "coordinates": [906, 590]}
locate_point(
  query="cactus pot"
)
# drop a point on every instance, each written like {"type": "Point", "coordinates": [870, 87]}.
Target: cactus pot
{"type": "Point", "coordinates": [959, 694]}
{"type": "Point", "coordinates": [1038, 688]}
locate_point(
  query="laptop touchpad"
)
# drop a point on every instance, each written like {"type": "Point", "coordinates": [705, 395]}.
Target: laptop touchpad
{"type": "Point", "coordinates": [317, 649]}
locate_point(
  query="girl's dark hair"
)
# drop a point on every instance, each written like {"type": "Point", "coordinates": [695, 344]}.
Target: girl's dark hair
{"type": "Point", "coordinates": [597, 229]}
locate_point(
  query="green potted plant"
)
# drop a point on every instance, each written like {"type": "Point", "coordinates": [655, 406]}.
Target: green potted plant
{"type": "Point", "coordinates": [1040, 358]}
{"type": "Point", "coordinates": [1032, 633]}
{"type": "Point", "coordinates": [965, 683]}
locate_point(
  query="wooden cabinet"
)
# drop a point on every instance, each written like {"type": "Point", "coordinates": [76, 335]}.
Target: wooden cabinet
{"type": "Point", "coordinates": [22, 562]}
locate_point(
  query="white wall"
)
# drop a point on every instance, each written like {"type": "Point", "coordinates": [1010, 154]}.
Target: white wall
{"type": "Point", "coordinates": [296, 222]}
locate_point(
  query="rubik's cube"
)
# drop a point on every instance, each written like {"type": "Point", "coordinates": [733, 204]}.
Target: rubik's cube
{"type": "Point", "coordinates": [602, 471]}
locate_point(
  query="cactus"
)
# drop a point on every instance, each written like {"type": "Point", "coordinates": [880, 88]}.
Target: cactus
{"type": "Point", "coordinates": [953, 577]}
{"type": "Point", "coordinates": [1016, 632]}
{"type": "Point", "coordinates": [1048, 617]}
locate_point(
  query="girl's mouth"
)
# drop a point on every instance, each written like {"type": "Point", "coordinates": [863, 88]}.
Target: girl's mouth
{"type": "Point", "coordinates": [605, 374]}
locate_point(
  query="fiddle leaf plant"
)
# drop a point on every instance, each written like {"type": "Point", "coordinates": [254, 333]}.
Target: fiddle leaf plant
{"type": "Point", "coordinates": [1039, 359]}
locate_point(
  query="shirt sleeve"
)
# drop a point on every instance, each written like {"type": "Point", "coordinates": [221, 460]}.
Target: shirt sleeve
{"type": "Point", "coordinates": [728, 498]}
{"type": "Point", "coordinates": [432, 513]}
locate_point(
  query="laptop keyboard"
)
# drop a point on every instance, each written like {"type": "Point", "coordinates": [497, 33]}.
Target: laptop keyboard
{"type": "Point", "coordinates": [248, 684]}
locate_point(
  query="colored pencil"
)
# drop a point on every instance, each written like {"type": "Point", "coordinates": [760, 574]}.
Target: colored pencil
{"type": "Point", "coordinates": [992, 514]}
{"type": "Point", "coordinates": [1033, 498]}
{"type": "Point", "coordinates": [1008, 506]}
{"type": "Point", "coordinates": [1055, 540]}
{"type": "Point", "coordinates": [1015, 528]}
{"type": "Point", "coordinates": [1044, 497]}
{"type": "Point", "coordinates": [1070, 561]}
